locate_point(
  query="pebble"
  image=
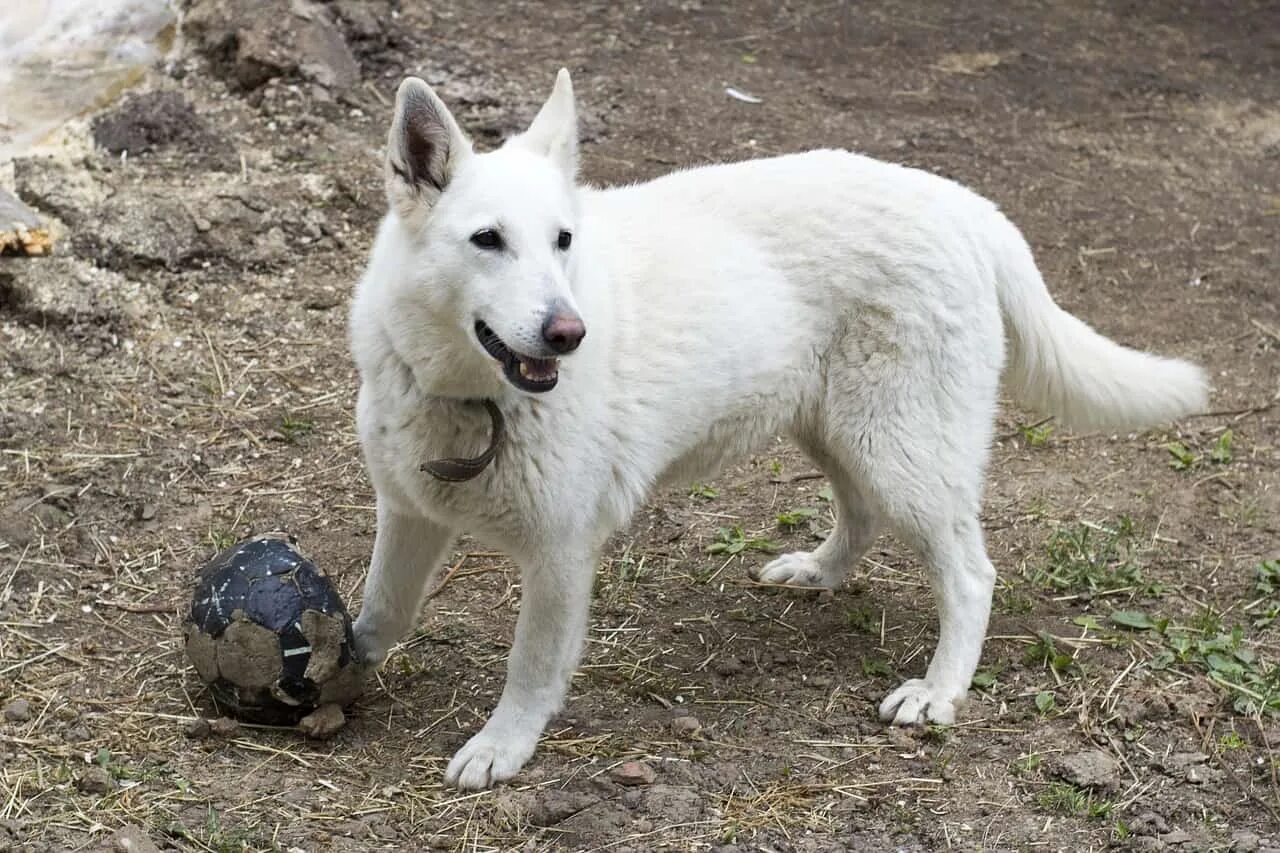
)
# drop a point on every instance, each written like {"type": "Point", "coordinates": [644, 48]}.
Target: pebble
{"type": "Point", "coordinates": [632, 773]}
{"type": "Point", "coordinates": [18, 711]}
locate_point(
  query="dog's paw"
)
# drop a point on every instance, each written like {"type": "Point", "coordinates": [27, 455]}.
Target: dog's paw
{"type": "Point", "coordinates": [370, 650]}
{"type": "Point", "coordinates": [489, 758]}
{"type": "Point", "coordinates": [918, 702]}
{"type": "Point", "coordinates": [799, 568]}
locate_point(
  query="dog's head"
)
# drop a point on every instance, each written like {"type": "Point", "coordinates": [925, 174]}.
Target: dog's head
{"type": "Point", "coordinates": [490, 236]}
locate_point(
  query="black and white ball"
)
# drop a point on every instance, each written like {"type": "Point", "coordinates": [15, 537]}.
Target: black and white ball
{"type": "Point", "coordinates": [269, 634]}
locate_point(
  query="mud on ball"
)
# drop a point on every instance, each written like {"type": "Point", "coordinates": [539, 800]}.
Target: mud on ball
{"type": "Point", "coordinates": [269, 634]}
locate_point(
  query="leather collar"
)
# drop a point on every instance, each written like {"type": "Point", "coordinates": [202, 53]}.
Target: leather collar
{"type": "Point", "coordinates": [457, 470]}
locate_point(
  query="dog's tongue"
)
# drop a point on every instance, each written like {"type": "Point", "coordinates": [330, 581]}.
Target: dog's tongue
{"type": "Point", "coordinates": [539, 369]}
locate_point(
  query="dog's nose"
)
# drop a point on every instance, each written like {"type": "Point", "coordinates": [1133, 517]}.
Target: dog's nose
{"type": "Point", "coordinates": [563, 332]}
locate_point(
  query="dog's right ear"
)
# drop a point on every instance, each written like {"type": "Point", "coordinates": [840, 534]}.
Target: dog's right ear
{"type": "Point", "coordinates": [424, 148]}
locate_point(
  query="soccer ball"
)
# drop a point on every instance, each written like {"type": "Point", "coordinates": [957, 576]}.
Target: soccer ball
{"type": "Point", "coordinates": [269, 635]}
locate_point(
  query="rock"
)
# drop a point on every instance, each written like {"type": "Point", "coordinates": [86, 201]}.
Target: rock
{"type": "Point", "coordinates": [133, 839]}
{"type": "Point", "coordinates": [1092, 768]}
{"type": "Point", "coordinates": [324, 722]}
{"type": "Point", "coordinates": [95, 780]}
{"type": "Point", "coordinates": [224, 727]}
{"type": "Point", "coordinates": [18, 711]}
{"type": "Point", "coordinates": [686, 726]}
{"type": "Point", "coordinates": [250, 42]}
{"type": "Point", "coordinates": [1244, 841]}
{"type": "Point", "coordinates": [631, 773]}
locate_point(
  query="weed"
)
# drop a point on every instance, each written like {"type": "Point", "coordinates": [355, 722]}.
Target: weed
{"type": "Point", "coordinates": [1093, 558]}
{"type": "Point", "coordinates": [702, 490]}
{"type": "Point", "coordinates": [1066, 799]}
{"type": "Point", "coordinates": [1037, 435]}
{"type": "Point", "coordinates": [791, 519]}
{"type": "Point", "coordinates": [1267, 585]}
{"type": "Point", "coordinates": [1027, 764]}
{"type": "Point", "coordinates": [732, 540]}
{"type": "Point", "coordinates": [1046, 703]}
{"type": "Point", "coordinates": [864, 619]}
{"type": "Point", "coordinates": [775, 467]}
{"type": "Point", "coordinates": [1221, 453]}
{"type": "Point", "coordinates": [1183, 459]}
{"type": "Point", "coordinates": [987, 677]}
{"type": "Point", "coordinates": [294, 429]}
{"type": "Point", "coordinates": [876, 666]}
{"type": "Point", "coordinates": [1044, 652]}
{"type": "Point", "coordinates": [1230, 741]}
{"type": "Point", "coordinates": [221, 539]}
{"type": "Point", "coordinates": [826, 494]}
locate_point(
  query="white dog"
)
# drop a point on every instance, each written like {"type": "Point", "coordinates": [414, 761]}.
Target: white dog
{"type": "Point", "coordinates": [859, 307]}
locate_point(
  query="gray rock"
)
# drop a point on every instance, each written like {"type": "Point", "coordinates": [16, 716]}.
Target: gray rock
{"type": "Point", "coordinates": [251, 42]}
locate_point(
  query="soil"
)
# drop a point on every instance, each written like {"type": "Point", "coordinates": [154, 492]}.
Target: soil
{"type": "Point", "coordinates": [176, 377]}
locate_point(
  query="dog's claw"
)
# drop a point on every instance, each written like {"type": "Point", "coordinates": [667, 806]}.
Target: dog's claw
{"type": "Point", "coordinates": [487, 759]}
{"type": "Point", "coordinates": [918, 702]}
{"type": "Point", "coordinates": [799, 568]}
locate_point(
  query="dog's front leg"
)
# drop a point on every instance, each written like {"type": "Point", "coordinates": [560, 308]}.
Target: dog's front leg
{"type": "Point", "coordinates": [554, 603]}
{"type": "Point", "coordinates": [407, 551]}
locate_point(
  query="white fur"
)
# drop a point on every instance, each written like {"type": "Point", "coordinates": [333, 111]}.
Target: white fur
{"type": "Point", "coordinates": [857, 306]}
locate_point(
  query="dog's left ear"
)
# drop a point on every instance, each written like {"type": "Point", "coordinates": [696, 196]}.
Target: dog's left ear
{"type": "Point", "coordinates": [554, 132]}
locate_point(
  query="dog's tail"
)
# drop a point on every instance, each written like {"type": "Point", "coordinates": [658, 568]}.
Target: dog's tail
{"type": "Point", "coordinates": [1061, 366]}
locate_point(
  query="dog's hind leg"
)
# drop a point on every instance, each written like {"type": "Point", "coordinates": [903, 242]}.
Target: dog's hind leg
{"type": "Point", "coordinates": [857, 524]}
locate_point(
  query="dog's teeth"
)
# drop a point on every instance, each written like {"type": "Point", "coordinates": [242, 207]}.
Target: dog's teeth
{"type": "Point", "coordinates": [524, 369]}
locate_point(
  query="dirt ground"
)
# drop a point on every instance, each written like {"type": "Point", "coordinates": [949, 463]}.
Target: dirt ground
{"type": "Point", "coordinates": [176, 377]}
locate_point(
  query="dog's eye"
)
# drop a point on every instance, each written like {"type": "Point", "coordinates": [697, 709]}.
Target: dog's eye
{"type": "Point", "coordinates": [487, 238]}
{"type": "Point", "coordinates": [563, 241]}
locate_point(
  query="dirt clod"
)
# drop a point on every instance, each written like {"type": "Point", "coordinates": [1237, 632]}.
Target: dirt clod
{"type": "Point", "coordinates": [95, 780]}
{"type": "Point", "coordinates": [18, 711]}
{"type": "Point", "coordinates": [686, 726]}
{"type": "Point", "coordinates": [633, 773]}
{"type": "Point", "coordinates": [1090, 769]}
{"type": "Point", "coordinates": [198, 729]}
{"type": "Point", "coordinates": [225, 727]}
{"type": "Point", "coordinates": [1245, 841]}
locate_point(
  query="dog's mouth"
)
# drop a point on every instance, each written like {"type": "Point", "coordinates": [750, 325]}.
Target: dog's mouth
{"type": "Point", "coordinates": [525, 372]}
